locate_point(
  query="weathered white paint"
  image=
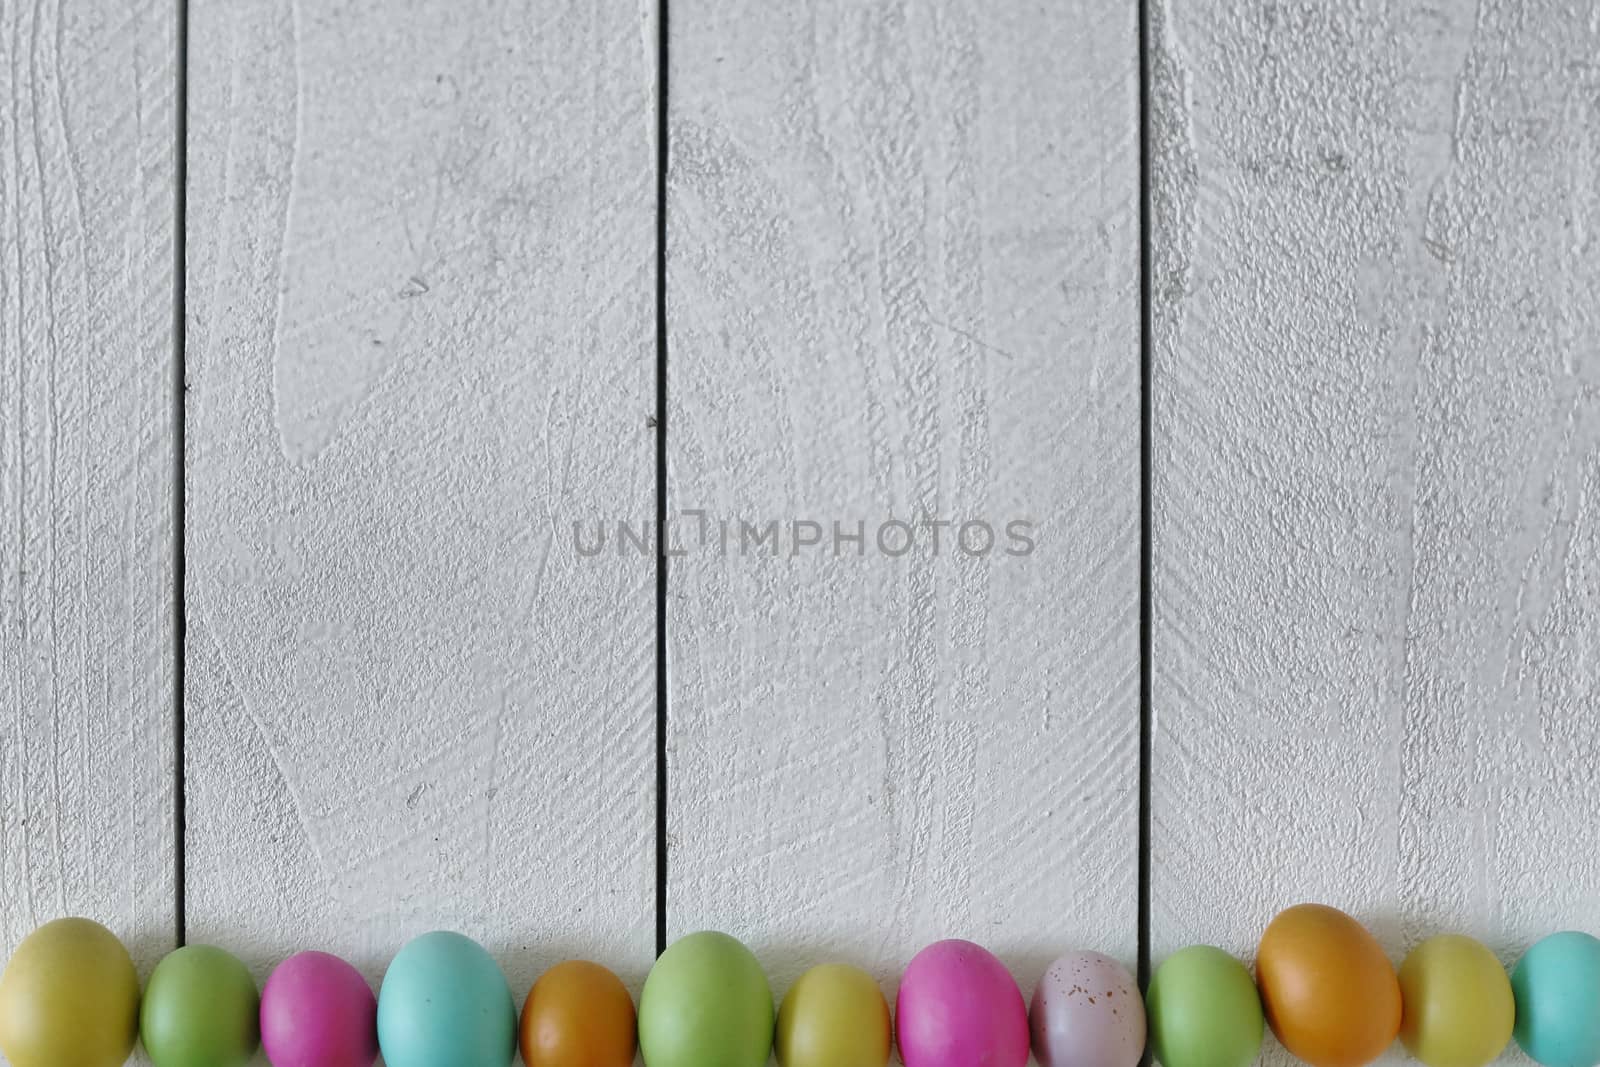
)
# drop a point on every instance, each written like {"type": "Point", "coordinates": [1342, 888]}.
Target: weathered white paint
{"type": "Point", "coordinates": [1377, 468]}
{"type": "Point", "coordinates": [421, 346]}
{"type": "Point", "coordinates": [903, 283]}
{"type": "Point", "coordinates": [87, 401]}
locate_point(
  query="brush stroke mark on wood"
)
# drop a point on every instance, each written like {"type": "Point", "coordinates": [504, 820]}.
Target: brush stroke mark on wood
{"type": "Point", "coordinates": [422, 348]}
{"type": "Point", "coordinates": [87, 411]}
{"type": "Point", "coordinates": [1377, 469]}
{"type": "Point", "coordinates": [903, 284]}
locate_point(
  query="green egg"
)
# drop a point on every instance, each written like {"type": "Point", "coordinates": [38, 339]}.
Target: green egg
{"type": "Point", "coordinates": [201, 1009]}
{"type": "Point", "coordinates": [706, 1004]}
{"type": "Point", "coordinates": [1204, 1010]}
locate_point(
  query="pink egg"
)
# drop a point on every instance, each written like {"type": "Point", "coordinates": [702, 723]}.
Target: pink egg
{"type": "Point", "coordinates": [1087, 1013]}
{"type": "Point", "coordinates": [317, 1011]}
{"type": "Point", "coordinates": [959, 1006]}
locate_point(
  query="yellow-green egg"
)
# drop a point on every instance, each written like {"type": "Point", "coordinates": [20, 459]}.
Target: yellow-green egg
{"type": "Point", "coordinates": [1458, 1009]}
{"type": "Point", "coordinates": [706, 1004]}
{"type": "Point", "coordinates": [1204, 1010]}
{"type": "Point", "coordinates": [833, 1016]}
{"type": "Point", "coordinates": [69, 998]}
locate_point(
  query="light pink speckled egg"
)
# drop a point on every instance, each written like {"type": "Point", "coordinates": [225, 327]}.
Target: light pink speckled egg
{"type": "Point", "coordinates": [959, 1007]}
{"type": "Point", "coordinates": [1087, 1013]}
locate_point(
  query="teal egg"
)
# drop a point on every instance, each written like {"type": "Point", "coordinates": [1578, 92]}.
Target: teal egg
{"type": "Point", "coordinates": [445, 1000]}
{"type": "Point", "coordinates": [1557, 988]}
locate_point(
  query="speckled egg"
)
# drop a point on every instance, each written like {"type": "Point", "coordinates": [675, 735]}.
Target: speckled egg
{"type": "Point", "coordinates": [1086, 1012]}
{"type": "Point", "coordinates": [959, 1006]}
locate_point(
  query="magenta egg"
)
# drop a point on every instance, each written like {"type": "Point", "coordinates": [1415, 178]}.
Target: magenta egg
{"type": "Point", "coordinates": [1087, 1012]}
{"type": "Point", "coordinates": [958, 1005]}
{"type": "Point", "coordinates": [318, 1011]}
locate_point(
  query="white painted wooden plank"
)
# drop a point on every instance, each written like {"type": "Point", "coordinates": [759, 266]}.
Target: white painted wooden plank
{"type": "Point", "coordinates": [421, 252]}
{"type": "Point", "coordinates": [1377, 468]}
{"type": "Point", "coordinates": [87, 409]}
{"type": "Point", "coordinates": [903, 284]}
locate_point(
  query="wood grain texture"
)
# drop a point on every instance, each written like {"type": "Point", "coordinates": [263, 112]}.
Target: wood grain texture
{"type": "Point", "coordinates": [903, 284]}
{"type": "Point", "coordinates": [87, 409]}
{"type": "Point", "coordinates": [421, 246]}
{"type": "Point", "coordinates": [1377, 468]}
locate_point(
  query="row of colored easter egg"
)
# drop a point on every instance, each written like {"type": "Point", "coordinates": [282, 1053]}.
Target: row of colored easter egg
{"type": "Point", "coordinates": [1331, 996]}
{"type": "Point", "coordinates": [70, 995]}
{"type": "Point", "coordinates": [707, 1004]}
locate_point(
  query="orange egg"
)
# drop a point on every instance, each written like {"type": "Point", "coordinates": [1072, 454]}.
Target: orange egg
{"type": "Point", "coordinates": [578, 1014]}
{"type": "Point", "coordinates": [1329, 991]}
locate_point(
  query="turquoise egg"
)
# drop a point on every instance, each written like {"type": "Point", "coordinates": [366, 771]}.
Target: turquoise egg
{"type": "Point", "coordinates": [1557, 987]}
{"type": "Point", "coordinates": [445, 1000]}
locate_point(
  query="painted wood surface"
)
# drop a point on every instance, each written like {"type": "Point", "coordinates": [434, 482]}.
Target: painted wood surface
{"type": "Point", "coordinates": [1377, 468]}
{"type": "Point", "coordinates": [903, 285]}
{"type": "Point", "coordinates": [421, 346]}
{"type": "Point", "coordinates": [87, 408]}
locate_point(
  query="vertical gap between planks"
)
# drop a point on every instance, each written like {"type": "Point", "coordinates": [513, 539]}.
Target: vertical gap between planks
{"type": "Point", "coordinates": [1145, 439]}
{"type": "Point", "coordinates": [661, 477]}
{"type": "Point", "coordinates": [180, 230]}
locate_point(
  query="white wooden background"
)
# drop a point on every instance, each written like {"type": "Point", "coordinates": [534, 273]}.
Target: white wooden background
{"type": "Point", "coordinates": [904, 260]}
